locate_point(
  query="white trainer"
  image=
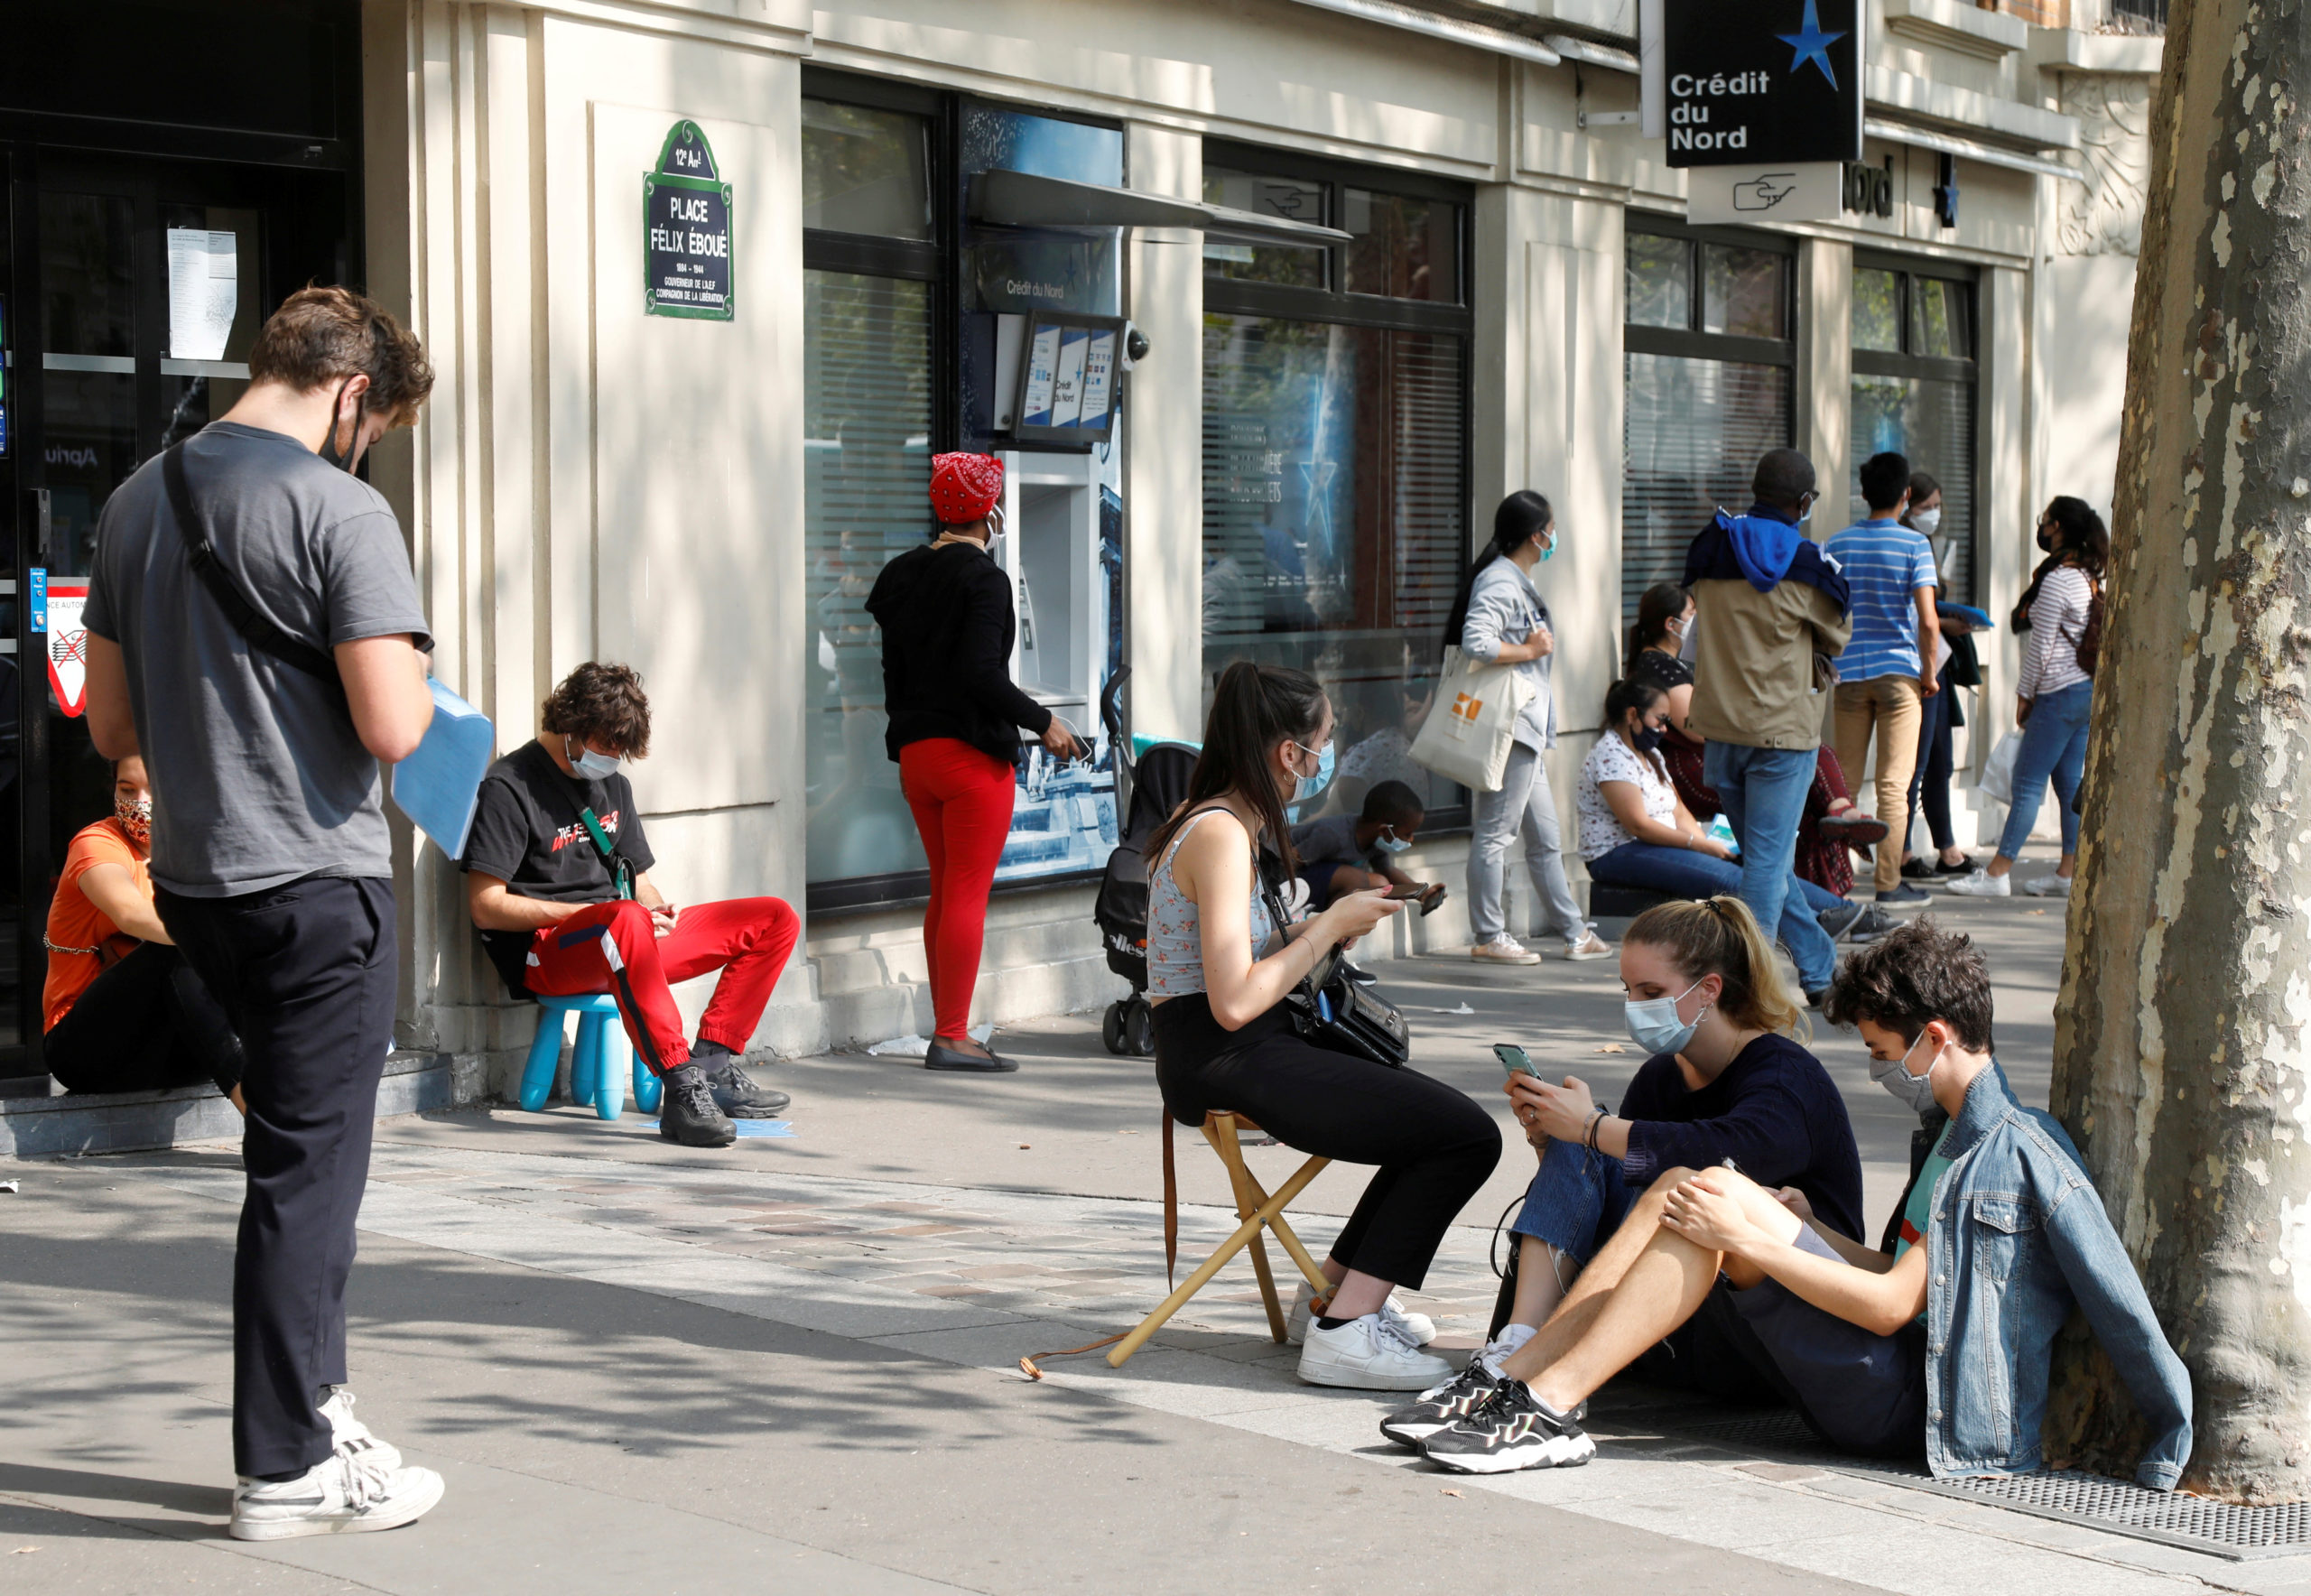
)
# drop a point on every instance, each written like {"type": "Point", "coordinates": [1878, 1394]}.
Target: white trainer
{"type": "Point", "coordinates": [337, 1496]}
{"type": "Point", "coordinates": [1419, 1326]}
{"type": "Point", "coordinates": [1373, 1353]}
{"type": "Point", "coordinates": [354, 1437]}
{"type": "Point", "coordinates": [1980, 884]}
{"type": "Point", "coordinates": [1590, 946]}
{"type": "Point", "coordinates": [2048, 886]}
{"type": "Point", "coordinates": [1504, 948]}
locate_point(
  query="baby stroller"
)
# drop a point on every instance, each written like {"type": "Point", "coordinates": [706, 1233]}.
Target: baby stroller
{"type": "Point", "coordinates": [1158, 778]}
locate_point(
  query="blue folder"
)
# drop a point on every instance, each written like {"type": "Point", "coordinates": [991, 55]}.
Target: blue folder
{"type": "Point", "coordinates": [439, 786]}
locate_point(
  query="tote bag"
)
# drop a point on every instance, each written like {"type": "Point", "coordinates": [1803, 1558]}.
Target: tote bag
{"type": "Point", "coordinates": [1473, 724]}
{"type": "Point", "coordinates": [1997, 770]}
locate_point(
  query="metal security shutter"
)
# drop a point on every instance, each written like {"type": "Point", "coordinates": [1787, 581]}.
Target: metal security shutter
{"type": "Point", "coordinates": [1693, 432]}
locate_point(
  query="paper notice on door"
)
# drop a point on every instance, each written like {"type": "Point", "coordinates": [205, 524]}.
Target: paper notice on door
{"type": "Point", "coordinates": [1043, 357]}
{"type": "Point", "coordinates": [1067, 382]}
{"type": "Point", "coordinates": [204, 292]}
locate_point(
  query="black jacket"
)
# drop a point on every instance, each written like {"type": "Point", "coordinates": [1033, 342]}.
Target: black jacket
{"type": "Point", "coordinates": [948, 624]}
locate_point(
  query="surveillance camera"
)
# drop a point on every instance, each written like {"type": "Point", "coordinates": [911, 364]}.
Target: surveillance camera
{"type": "Point", "coordinates": [1134, 343]}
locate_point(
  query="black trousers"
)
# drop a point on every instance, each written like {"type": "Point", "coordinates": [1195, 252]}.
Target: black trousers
{"type": "Point", "coordinates": [1930, 776]}
{"type": "Point", "coordinates": [305, 973]}
{"type": "Point", "coordinates": [1433, 1145]}
{"type": "Point", "coordinates": [146, 1024]}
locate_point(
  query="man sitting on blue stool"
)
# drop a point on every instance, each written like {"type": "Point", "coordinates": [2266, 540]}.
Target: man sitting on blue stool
{"type": "Point", "coordinates": [557, 880]}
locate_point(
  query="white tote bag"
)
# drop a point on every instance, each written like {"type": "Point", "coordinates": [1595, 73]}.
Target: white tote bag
{"type": "Point", "coordinates": [1473, 724]}
{"type": "Point", "coordinates": [1998, 772]}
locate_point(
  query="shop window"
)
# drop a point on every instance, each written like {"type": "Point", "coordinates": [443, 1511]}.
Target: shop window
{"type": "Point", "coordinates": [1335, 428]}
{"type": "Point", "coordinates": [1913, 391]}
{"type": "Point", "coordinates": [864, 170]}
{"type": "Point", "coordinates": [1709, 353]}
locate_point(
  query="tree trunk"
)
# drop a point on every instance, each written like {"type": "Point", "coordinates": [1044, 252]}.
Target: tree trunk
{"type": "Point", "coordinates": [2179, 1052]}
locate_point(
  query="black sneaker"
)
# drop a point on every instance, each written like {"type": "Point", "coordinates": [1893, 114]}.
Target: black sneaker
{"type": "Point", "coordinates": [1964, 867]}
{"type": "Point", "coordinates": [1919, 868]}
{"type": "Point", "coordinates": [1836, 922]}
{"type": "Point", "coordinates": [1904, 894]}
{"type": "Point", "coordinates": [1511, 1430]}
{"type": "Point", "coordinates": [1441, 1405]}
{"type": "Point", "coordinates": [738, 1096]}
{"type": "Point", "coordinates": [688, 1114]}
{"type": "Point", "coordinates": [1869, 925]}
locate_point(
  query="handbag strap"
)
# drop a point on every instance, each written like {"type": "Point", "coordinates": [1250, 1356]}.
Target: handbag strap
{"type": "Point", "coordinates": [607, 848]}
{"type": "Point", "coordinates": [200, 552]}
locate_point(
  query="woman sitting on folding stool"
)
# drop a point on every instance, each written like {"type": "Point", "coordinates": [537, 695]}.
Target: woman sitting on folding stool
{"type": "Point", "coordinates": [1218, 971]}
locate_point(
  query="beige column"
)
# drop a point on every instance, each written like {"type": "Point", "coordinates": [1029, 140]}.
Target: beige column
{"type": "Point", "coordinates": [1163, 448]}
{"type": "Point", "coordinates": [1825, 373]}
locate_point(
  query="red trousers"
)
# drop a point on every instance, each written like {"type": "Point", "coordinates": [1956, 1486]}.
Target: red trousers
{"type": "Point", "coordinates": [961, 799]}
{"type": "Point", "coordinates": [614, 948]}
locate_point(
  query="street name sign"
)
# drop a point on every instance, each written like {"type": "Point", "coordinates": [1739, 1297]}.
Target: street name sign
{"type": "Point", "coordinates": [686, 231]}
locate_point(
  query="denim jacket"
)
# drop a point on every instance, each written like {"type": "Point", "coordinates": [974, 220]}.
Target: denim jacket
{"type": "Point", "coordinates": [2017, 1235]}
{"type": "Point", "coordinates": [1504, 607]}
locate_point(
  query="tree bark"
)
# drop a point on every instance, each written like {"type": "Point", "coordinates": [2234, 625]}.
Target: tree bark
{"type": "Point", "coordinates": [2180, 1034]}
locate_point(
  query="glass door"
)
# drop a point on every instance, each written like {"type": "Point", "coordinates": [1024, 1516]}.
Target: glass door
{"type": "Point", "coordinates": [145, 282]}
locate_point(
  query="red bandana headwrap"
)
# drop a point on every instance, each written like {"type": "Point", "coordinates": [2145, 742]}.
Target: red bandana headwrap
{"type": "Point", "coordinates": [965, 487]}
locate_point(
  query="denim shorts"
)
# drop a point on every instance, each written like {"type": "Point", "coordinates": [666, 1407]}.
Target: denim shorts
{"type": "Point", "coordinates": [1860, 1391]}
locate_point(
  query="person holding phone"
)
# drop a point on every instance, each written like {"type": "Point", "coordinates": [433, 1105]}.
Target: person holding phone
{"type": "Point", "coordinates": [1345, 853]}
{"type": "Point", "coordinates": [1725, 1078]}
{"type": "Point", "coordinates": [947, 625]}
{"type": "Point", "coordinates": [1219, 967]}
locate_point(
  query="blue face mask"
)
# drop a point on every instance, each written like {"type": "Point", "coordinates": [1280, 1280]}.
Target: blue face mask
{"type": "Point", "coordinates": [1654, 1024]}
{"type": "Point", "coordinates": [1549, 547]}
{"type": "Point", "coordinates": [1305, 787]}
{"type": "Point", "coordinates": [593, 766]}
{"type": "Point", "coordinates": [1388, 841]}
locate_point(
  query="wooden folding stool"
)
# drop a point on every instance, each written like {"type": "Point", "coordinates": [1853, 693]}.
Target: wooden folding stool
{"type": "Point", "coordinates": [1257, 1209]}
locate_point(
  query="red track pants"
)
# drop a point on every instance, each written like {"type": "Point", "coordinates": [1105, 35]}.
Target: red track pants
{"type": "Point", "coordinates": [614, 948]}
{"type": "Point", "coordinates": [961, 799]}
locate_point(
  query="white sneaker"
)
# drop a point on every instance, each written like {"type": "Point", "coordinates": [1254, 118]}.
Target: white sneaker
{"type": "Point", "coordinates": [352, 1436]}
{"type": "Point", "coordinates": [1504, 948]}
{"type": "Point", "coordinates": [2048, 886]}
{"type": "Point", "coordinates": [1980, 884]}
{"type": "Point", "coordinates": [1419, 1326]}
{"type": "Point", "coordinates": [1373, 1353]}
{"type": "Point", "coordinates": [337, 1496]}
{"type": "Point", "coordinates": [1590, 946]}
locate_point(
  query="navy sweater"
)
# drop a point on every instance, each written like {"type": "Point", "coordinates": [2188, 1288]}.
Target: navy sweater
{"type": "Point", "coordinates": [1774, 1111]}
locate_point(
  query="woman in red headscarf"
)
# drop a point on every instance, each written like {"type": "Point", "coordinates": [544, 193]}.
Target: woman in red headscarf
{"type": "Point", "coordinates": [948, 624]}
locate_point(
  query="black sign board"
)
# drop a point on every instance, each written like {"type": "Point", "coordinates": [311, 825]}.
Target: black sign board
{"type": "Point", "coordinates": [686, 231]}
{"type": "Point", "coordinates": [1762, 80]}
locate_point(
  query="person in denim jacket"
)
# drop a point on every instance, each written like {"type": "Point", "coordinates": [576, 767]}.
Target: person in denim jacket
{"type": "Point", "coordinates": [1944, 1347]}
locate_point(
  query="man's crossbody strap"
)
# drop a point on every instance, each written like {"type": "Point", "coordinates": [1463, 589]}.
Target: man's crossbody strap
{"type": "Point", "coordinates": [259, 632]}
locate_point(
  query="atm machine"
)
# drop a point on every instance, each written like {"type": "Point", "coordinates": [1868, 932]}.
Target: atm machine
{"type": "Point", "coordinates": [1057, 376]}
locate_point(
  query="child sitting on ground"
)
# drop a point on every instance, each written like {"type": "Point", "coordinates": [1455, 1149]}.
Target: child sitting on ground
{"type": "Point", "coordinates": [1343, 853]}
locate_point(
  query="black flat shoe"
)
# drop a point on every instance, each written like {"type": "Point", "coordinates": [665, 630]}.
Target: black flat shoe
{"type": "Point", "coordinates": [942, 1057]}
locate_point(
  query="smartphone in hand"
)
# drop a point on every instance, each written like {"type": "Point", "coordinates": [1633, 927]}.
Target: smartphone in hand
{"type": "Point", "coordinates": [1513, 1059]}
{"type": "Point", "coordinates": [1403, 894]}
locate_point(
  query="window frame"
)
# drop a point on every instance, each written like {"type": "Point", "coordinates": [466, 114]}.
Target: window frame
{"type": "Point", "coordinates": [1232, 296]}
{"type": "Point", "coordinates": [938, 261]}
{"type": "Point", "coordinates": [1689, 342]}
{"type": "Point", "coordinates": [1936, 368]}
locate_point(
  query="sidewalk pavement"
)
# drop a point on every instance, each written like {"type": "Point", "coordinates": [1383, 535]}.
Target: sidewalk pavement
{"type": "Point", "coordinates": [796, 1359]}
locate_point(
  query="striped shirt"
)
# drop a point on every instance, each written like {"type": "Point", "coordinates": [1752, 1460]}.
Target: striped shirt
{"type": "Point", "coordinates": [1884, 564]}
{"type": "Point", "coordinates": [2057, 621]}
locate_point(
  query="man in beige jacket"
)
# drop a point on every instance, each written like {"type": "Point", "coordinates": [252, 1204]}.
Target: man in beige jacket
{"type": "Point", "coordinates": [1772, 613]}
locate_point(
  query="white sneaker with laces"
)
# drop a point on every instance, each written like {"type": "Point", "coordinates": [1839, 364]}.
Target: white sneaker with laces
{"type": "Point", "coordinates": [1419, 1326]}
{"type": "Point", "coordinates": [2048, 886]}
{"type": "Point", "coordinates": [1590, 946]}
{"type": "Point", "coordinates": [351, 1435]}
{"type": "Point", "coordinates": [1504, 948]}
{"type": "Point", "coordinates": [1980, 884]}
{"type": "Point", "coordinates": [1373, 1353]}
{"type": "Point", "coordinates": [337, 1496]}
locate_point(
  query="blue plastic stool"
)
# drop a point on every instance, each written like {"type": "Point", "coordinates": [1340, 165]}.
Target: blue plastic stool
{"type": "Point", "coordinates": [598, 1067]}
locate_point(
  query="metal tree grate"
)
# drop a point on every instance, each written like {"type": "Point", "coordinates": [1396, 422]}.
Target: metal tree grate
{"type": "Point", "coordinates": [2116, 1506]}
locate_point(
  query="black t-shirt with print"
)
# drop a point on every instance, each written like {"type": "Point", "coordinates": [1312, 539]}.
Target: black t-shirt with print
{"type": "Point", "coordinates": [527, 832]}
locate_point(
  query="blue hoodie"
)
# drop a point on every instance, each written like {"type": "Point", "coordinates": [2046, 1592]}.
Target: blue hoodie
{"type": "Point", "coordinates": [1763, 548]}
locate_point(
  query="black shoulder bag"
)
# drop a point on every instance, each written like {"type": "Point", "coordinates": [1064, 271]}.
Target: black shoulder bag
{"type": "Point", "coordinates": [1331, 1009]}
{"type": "Point", "coordinates": [257, 632]}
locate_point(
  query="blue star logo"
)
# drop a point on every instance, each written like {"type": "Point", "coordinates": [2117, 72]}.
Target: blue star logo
{"type": "Point", "coordinates": [1812, 45]}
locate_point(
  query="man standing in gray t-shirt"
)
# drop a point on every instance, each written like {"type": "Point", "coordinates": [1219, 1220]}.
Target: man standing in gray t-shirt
{"type": "Point", "coordinates": [261, 732]}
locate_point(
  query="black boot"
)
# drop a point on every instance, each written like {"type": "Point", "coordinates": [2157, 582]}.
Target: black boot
{"type": "Point", "coordinates": [735, 1092]}
{"type": "Point", "coordinates": [688, 1114]}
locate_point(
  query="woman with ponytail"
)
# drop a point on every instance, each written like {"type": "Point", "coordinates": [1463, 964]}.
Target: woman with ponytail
{"type": "Point", "coordinates": [1219, 969]}
{"type": "Point", "coordinates": [1726, 1080]}
{"type": "Point", "coordinates": [1498, 619]}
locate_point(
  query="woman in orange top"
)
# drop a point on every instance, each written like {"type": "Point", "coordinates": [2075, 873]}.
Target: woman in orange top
{"type": "Point", "coordinates": [122, 1010]}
